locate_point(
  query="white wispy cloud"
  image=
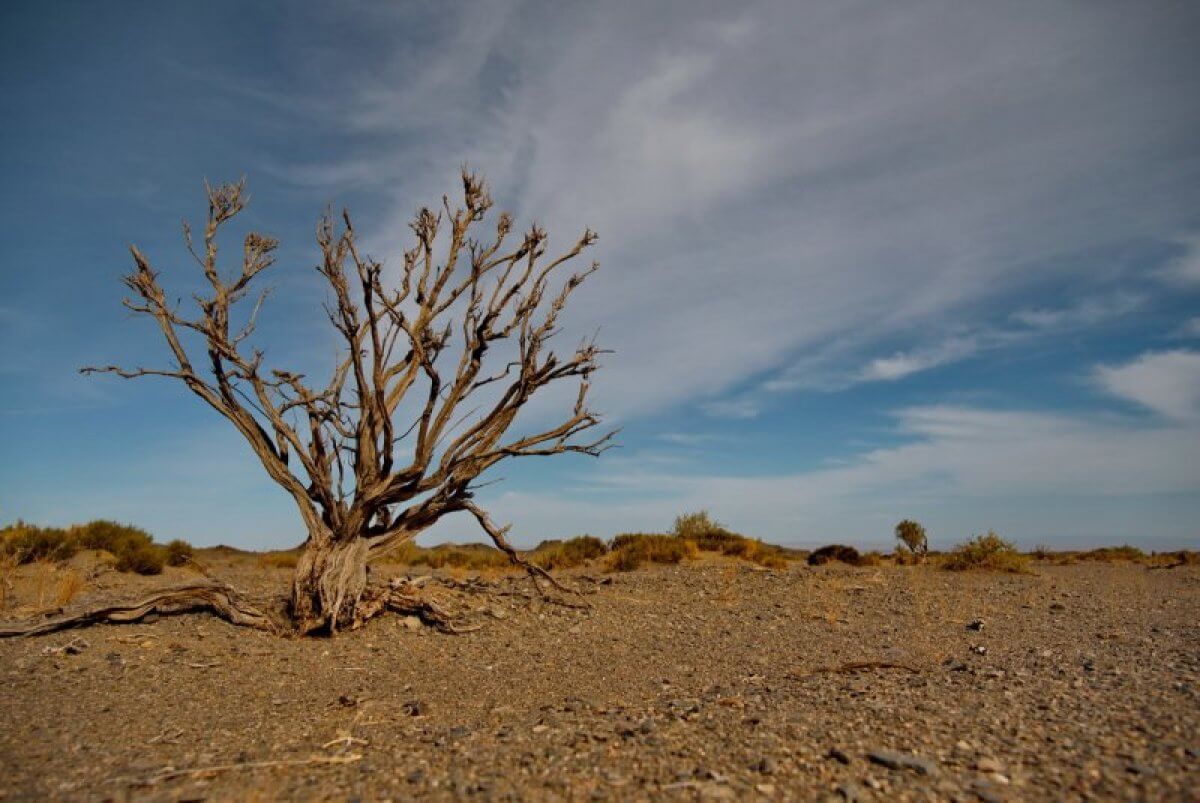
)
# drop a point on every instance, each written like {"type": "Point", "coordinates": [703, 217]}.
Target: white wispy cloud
{"type": "Point", "coordinates": [1167, 382]}
{"type": "Point", "coordinates": [771, 179]}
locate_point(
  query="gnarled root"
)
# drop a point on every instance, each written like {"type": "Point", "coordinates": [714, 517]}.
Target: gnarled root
{"type": "Point", "coordinates": [399, 597]}
{"type": "Point", "coordinates": [214, 597]}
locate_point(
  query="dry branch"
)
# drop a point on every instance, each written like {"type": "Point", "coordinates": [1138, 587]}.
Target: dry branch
{"type": "Point", "coordinates": [464, 335]}
{"type": "Point", "coordinates": [216, 598]}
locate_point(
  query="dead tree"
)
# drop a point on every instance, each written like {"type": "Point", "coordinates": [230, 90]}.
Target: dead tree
{"type": "Point", "coordinates": [437, 363]}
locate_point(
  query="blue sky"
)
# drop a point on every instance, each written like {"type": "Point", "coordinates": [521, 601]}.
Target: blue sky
{"type": "Point", "coordinates": [861, 261]}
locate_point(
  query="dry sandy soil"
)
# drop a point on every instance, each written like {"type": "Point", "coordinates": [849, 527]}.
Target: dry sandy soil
{"type": "Point", "coordinates": [710, 680]}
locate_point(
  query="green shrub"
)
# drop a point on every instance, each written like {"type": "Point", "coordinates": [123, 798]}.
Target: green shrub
{"type": "Point", "coordinates": [631, 550]}
{"type": "Point", "coordinates": [28, 543]}
{"type": "Point", "coordinates": [141, 557]}
{"type": "Point", "coordinates": [179, 552]}
{"type": "Point", "coordinates": [911, 536]}
{"type": "Point", "coordinates": [986, 552]}
{"type": "Point", "coordinates": [834, 552]}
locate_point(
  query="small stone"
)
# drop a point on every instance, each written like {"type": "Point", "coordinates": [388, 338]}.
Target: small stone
{"type": "Point", "coordinates": [838, 755]}
{"type": "Point", "coordinates": [416, 776]}
{"type": "Point", "coordinates": [414, 708]}
{"type": "Point", "coordinates": [767, 789]}
{"type": "Point", "coordinates": [975, 624]}
{"type": "Point", "coordinates": [647, 726]}
{"type": "Point", "coordinates": [411, 622]}
{"type": "Point", "coordinates": [988, 765]}
{"type": "Point", "coordinates": [901, 761]}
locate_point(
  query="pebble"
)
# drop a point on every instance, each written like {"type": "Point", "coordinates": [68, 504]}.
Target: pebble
{"type": "Point", "coordinates": [901, 761]}
{"type": "Point", "coordinates": [838, 755]}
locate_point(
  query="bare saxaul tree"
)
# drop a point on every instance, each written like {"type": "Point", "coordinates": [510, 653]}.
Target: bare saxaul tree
{"type": "Point", "coordinates": [467, 312]}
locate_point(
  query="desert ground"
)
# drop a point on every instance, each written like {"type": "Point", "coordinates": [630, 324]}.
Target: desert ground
{"type": "Point", "coordinates": [713, 679]}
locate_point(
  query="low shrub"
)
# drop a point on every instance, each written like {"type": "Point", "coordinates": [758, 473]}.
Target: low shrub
{"type": "Point", "coordinates": [110, 536]}
{"type": "Point", "coordinates": [179, 552]}
{"type": "Point", "coordinates": [834, 552]}
{"type": "Point", "coordinates": [631, 550]}
{"type": "Point", "coordinates": [557, 554]}
{"type": "Point", "coordinates": [28, 543]}
{"type": "Point", "coordinates": [711, 536]}
{"type": "Point", "coordinates": [141, 557]}
{"type": "Point", "coordinates": [986, 552]}
{"type": "Point", "coordinates": [1113, 554]}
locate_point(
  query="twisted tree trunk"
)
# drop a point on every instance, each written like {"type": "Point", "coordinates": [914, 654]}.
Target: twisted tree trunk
{"type": "Point", "coordinates": [329, 582]}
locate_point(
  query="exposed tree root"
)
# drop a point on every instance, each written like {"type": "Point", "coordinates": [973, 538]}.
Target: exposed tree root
{"type": "Point", "coordinates": [213, 597]}
{"type": "Point", "coordinates": [227, 603]}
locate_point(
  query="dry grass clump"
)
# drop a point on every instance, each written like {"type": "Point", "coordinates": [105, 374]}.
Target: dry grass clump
{"type": "Point", "coordinates": [29, 543]}
{"type": "Point", "coordinates": [631, 550]}
{"type": "Point", "coordinates": [989, 552]}
{"type": "Point", "coordinates": [712, 536]}
{"type": "Point", "coordinates": [559, 554]}
{"type": "Point", "coordinates": [8, 569]}
{"type": "Point", "coordinates": [872, 558]}
{"type": "Point", "coordinates": [70, 583]}
{"type": "Point", "coordinates": [179, 553]}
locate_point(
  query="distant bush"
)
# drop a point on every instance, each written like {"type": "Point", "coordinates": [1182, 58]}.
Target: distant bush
{"type": "Point", "coordinates": [986, 552]}
{"type": "Point", "coordinates": [631, 550]}
{"type": "Point", "coordinates": [834, 552]}
{"type": "Point", "coordinates": [141, 557]}
{"type": "Point", "coordinates": [1041, 552]}
{"type": "Point", "coordinates": [911, 536]}
{"type": "Point", "coordinates": [712, 536]}
{"type": "Point", "coordinates": [179, 552]}
{"type": "Point", "coordinates": [1112, 554]}
{"type": "Point", "coordinates": [1182, 557]}
{"type": "Point", "coordinates": [557, 554]}
{"type": "Point", "coordinates": [27, 543]}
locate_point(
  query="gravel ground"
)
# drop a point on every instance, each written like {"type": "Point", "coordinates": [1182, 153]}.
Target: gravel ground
{"type": "Point", "coordinates": [710, 680]}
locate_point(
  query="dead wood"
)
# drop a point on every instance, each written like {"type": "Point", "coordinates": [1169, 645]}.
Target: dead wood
{"type": "Point", "coordinates": [216, 598]}
{"type": "Point", "coordinates": [434, 368]}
